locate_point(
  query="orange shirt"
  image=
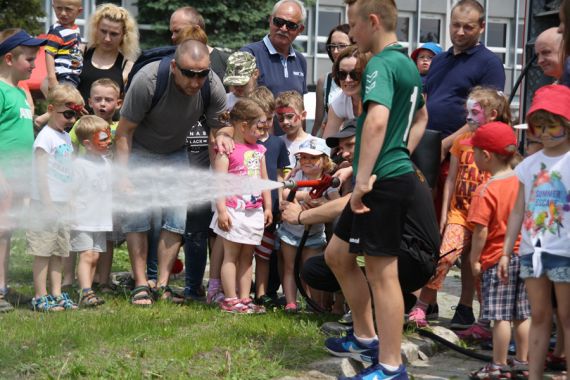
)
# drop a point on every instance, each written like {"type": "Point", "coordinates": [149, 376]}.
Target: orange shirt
{"type": "Point", "coordinates": [467, 180]}
{"type": "Point", "coordinates": [491, 206]}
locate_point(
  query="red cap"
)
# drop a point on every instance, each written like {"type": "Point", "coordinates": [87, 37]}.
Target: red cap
{"type": "Point", "coordinates": [554, 98]}
{"type": "Point", "coordinates": [496, 137]}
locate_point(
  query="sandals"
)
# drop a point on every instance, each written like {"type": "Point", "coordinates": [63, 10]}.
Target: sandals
{"type": "Point", "coordinates": [166, 293]}
{"type": "Point", "coordinates": [90, 299]}
{"type": "Point", "coordinates": [46, 303]}
{"type": "Point", "coordinates": [66, 302]}
{"type": "Point", "coordinates": [141, 293]}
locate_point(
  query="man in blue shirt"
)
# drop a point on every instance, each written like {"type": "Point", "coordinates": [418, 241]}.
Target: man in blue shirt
{"type": "Point", "coordinates": [281, 67]}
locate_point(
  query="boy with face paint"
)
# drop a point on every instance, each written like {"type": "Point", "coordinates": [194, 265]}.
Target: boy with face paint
{"type": "Point", "coordinates": [290, 112]}
{"type": "Point", "coordinates": [92, 211]}
{"type": "Point", "coordinates": [483, 105]}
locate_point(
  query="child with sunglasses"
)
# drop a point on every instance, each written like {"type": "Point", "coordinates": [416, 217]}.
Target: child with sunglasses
{"type": "Point", "coordinates": [48, 234]}
{"type": "Point", "coordinates": [541, 214]}
{"type": "Point", "coordinates": [347, 74]}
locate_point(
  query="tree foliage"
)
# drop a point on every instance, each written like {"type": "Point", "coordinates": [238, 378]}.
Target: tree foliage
{"type": "Point", "coordinates": [229, 23]}
{"type": "Point", "coordinates": [22, 14]}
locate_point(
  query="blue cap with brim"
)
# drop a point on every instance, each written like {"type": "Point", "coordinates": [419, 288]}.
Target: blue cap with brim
{"type": "Point", "coordinates": [430, 46]}
{"type": "Point", "coordinates": [20, 39]}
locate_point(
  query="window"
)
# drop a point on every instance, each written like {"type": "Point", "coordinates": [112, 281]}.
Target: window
{"type": "Point", "coordinates": [328, 19]}
{"type": "Point", "coordinates": [430, 30]}
{"type": "Point", "coordinates": [497, 33]}
{"type": "Point", "coordinates": [403, 30]}
{"type": "Point", "coordinates": [301, 43]}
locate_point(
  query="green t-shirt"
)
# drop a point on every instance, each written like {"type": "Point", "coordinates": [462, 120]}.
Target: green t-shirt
{"type": "Point", "coordinates": [16, 128]}
{"type": "Point", "coordinates": [80, 148]}
{"type": "Point", "coordinates": [392, 80]}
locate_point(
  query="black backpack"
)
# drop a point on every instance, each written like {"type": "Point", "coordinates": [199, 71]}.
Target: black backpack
{"type": "Point", "coordinates": [164, 54]}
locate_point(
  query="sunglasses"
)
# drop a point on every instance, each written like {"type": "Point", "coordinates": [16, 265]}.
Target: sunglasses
{"type": "Point", "coordinates": [290, 25]}
{"type": "Point", "coordinates": [353, 74]}
{"type": "Point", "coordinates": [69, 114]}
{"type": "Point", "coordinates": [188, 73]}
{"type": "Point", "coordinates": [339, 47]}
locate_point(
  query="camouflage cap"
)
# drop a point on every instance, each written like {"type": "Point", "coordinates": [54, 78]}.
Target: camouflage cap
{"type": "Point", "coordinates": [239, 69]}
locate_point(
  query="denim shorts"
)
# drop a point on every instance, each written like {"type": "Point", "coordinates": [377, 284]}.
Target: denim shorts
{"type": "Point", "coordinates": [555, 267]}
{"type": "Point", "coordinates": [173, 219]}
{"type": "Point", "coordinates": [317, 240]}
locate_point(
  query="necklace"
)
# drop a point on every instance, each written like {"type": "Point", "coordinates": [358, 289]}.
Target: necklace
{"type": "Point", "coordinates": [391, 44]}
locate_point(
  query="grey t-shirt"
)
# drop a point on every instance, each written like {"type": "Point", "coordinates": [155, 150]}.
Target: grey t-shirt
{"type": "Point", "coordinates": [164, 129]}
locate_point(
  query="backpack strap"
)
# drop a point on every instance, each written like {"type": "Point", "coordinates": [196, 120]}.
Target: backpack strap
{"type": "Point", "coordinates": [161, 80]}
{"type": "Point", "coordinates": [328, 91]}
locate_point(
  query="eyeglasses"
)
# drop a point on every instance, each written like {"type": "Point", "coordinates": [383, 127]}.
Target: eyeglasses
{"type": "Point", "coordinates": [68, 114]}
{"type": "Point", "coordinates": [353, 74]}
{"type": "Point", "coordinates": [290, 25]}
{"type": "Point", "coordinates": [339, 47]}
{"type": "Point", "coordinates": [188, 73]}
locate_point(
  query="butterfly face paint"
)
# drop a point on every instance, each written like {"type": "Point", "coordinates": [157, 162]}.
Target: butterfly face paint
{"type": "Point", "coordinates": [475, 114]}
{"type": "Point", "coordinates": [101, 141]}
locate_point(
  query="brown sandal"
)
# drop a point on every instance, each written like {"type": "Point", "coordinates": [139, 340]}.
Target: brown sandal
{"type": "Point", "coordinates": [90, 299]}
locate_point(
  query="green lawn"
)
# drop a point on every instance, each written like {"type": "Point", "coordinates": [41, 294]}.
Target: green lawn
{"type": "Point", "coordinates": [118, 340]}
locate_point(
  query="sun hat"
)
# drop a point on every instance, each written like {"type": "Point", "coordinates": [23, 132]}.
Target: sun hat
{"type": "Point", "coordinates": [239, 69]}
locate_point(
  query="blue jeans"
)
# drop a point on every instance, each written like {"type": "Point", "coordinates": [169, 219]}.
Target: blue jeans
{"type": "Point", "coordinates": [195, 257]}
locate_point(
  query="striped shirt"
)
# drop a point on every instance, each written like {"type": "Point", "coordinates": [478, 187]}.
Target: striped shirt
{"type": "Point", "coordinates": [64, 45]}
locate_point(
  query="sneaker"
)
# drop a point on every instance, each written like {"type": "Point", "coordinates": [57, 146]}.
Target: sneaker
{"type": "Point", "coordinates": [215, 295]}
{"type": "Point", "coordinates": [5, 306]}
{"type": "Point", "coordinates": [190, 295]}
{"type": "Point", "coordinates": [555, 363]}
{"type": "Point", "coordinates": [233, 305]}
{"type": "Point", "coordinates": [255, 309]}
{"type": "Point", "coordinates": [377, 372]}
{"type": "Point", "coordinates": [346, 319]}
{"type": "Point", "coordinates": [491, 371]}
{"type": "Point", "coordinates": [463, 318]}
{"type": "Point", "coordinates": [418, 316]}
{"type": "Point", "coordinates": [291, 308]}
{"type": "Point", "coordinates": [432, 312]}
{"type": "Point", "coordinates": [519, 370]}
{"type": "Point", "coordinates": [264, 300]}
{"type": "Point", "coordinates": [349, 347]}
{"type": "Point", "coordinates": [476, 332]}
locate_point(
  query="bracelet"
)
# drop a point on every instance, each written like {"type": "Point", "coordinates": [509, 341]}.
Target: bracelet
{"type": "Point", "coordinates": [222, 133]}
{"type": "Point", "coordinates": [299, 217]}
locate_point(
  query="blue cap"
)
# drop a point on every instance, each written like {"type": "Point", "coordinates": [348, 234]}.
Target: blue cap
{"type": "Point", "coordinates": [22, 38]}
{"type": "Point", "coordinates": [431, 46]}
{"type": "Point", "coordinates": [315, 147]}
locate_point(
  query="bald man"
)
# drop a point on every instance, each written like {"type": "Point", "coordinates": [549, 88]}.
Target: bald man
{"type": "Point", "coordinates": [186, 16]}
{"type": "Point", "coordinates": [547, 48]}
{"type": "Point", "coordinates": [148, 136]}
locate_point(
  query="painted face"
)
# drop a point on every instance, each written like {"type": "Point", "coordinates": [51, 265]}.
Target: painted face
{"type": "Point", "coordinates": [475, 114]}
{"type": "Point", "coordinates": [254, 131]}
{"type": "Point", "coordinates": [310, 165]}
{"type": "Point", "coordinates": [63, 117]}
{"type": "Point", "coordinates": [547, 134]}
{"type": "Point", "coordinates": [289, 120]}
{"type": "Point", "coordinates": [101, 141]}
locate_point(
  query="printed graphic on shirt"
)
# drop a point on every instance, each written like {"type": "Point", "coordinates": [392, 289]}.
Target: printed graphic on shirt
{"type": "Point", "coordinates": [548, 201]}
{"type": "Point", "coordinates": [60, 167]}
{"type": "Point", "coordinates": [470, 177]}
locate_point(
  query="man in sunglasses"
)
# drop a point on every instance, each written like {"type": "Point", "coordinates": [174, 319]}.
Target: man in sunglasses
{"type": "Point", "coordinates": [155, 137]}
{"type": "Point", "coordinates": [281, 67]}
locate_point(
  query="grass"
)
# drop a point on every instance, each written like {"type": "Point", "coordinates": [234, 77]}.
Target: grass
{"type": "Point", "coordinates": [118, 340]}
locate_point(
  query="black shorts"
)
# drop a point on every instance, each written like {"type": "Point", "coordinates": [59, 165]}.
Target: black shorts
{"type": "Point", "coordinates": [379, 231]}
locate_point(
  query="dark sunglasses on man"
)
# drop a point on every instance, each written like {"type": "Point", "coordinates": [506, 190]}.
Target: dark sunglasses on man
{"type": "Point", "coordinates": [290, 25]}
{"type": "Point", "coordinates": [189, 73]}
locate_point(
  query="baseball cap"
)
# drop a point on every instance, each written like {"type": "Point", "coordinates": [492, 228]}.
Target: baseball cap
{"type": "Point", "coordinates": [554, 98]}
{"type": "Point", "coordinates": [496, 137]}
{"type": "Point", "coordinates": [431, 46]}
{"type": "Point", "coordinates": [21, 38]}
{"type": "Point", "coordinates": [314, 147]}
{"type": "Point", "coordinates": [239, 69]}
{"type": "Point", "coordinates": [348, 130]}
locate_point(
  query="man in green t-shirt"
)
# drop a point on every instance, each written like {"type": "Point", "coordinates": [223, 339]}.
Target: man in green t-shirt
{"type": "Point", "coordinates": [393, 119]}
{"type": "Point", "coordinates": [17, 55]}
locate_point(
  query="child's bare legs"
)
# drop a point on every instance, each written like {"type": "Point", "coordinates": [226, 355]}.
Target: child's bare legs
{"type": "Point", "coordinates": [288, 280]}
{"type": "Point", "coordinates": [86, 268]}
{"type": "Point", "coordinates": [562, 291]}
{"type": "Point", "coordinates": [229, 267]}
{"type": "Point", "coordinates": [559, 346]}
{"type": "Point", "coordinates": [245, 270]}
{"type": "Point", "coordinates": [40, 271]}
{"type": "Point", "coordinates": [522, 328]}
{"type": "Point", "coordinates": [261, 276]}
{"type": "Point", "coordinates": [104, 265]}
{"type": "Point", "coordinates": [168, 248]}
{"type": "Point", "coordinates": [69, 269]}
{"type": "Point", "coordinates": [55, 275]}
{"type": "Point", "coordinates": [541, 322]}
{"type": "Point", "coordinates": [216, 258]}
{"type": "Point", "coordinates": [501, 339]}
